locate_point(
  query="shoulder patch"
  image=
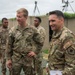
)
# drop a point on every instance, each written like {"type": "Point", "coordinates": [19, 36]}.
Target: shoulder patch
{"type": "Point", "coordinates": [67, 45]}
{"type": "Point", "coordinates": [71, 51]}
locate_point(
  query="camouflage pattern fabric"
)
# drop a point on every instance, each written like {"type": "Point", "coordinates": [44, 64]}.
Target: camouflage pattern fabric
{"type": "Point", "coordinates": [20, 43]}
{"type": "Point", "coordinates": [62, 52]}
{"type": "Point", "coordinates": [3, 39]}
{"type": "Point", "coordinates": [38, 61]}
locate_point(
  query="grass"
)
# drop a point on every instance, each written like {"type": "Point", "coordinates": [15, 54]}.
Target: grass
{"type": "Point", "coordinates": [45, 51]}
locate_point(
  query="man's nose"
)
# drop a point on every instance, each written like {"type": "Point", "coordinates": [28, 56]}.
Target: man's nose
{"type": "Point", "coordinates": [51, 23]}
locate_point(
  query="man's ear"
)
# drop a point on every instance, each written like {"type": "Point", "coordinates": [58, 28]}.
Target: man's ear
{"type": "Point", "coordinates": [62, 20]}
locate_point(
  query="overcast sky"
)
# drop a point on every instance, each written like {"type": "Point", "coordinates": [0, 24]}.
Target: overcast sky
{"type": "Point", "coordinates": [8, 7]}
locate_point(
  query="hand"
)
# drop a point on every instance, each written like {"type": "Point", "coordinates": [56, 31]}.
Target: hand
{"type": "Point", "coordinates": [31, 54]}
{"type": "Point", "coordinates": [9, 64]}
{"type": "Point", "coordinates": [47, 70]}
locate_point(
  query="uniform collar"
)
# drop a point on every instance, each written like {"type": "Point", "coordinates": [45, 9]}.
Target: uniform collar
{"type": "Point", "coordinates": [38, 26]}
{"type": "Point", "coordinates": [20, 28]}
{"type": "Point", "coordinates": [56, 35]}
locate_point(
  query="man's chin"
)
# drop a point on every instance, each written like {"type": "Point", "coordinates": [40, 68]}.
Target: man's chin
{"type": "Point", "coordinates": [53, 29]}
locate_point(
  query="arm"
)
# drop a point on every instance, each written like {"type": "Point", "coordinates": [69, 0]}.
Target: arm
{"type": "Point", "coordinates": [37, 42]}
{"type": "Point", "coordinates": [69, 48]}
{"type": "Point", "coordinates": [9, 51]}
{"type": "Point", "coordinates": [42, 32]}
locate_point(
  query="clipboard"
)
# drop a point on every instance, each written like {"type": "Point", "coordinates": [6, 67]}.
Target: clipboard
{"type": "Point", "coordinates": [55, 72]}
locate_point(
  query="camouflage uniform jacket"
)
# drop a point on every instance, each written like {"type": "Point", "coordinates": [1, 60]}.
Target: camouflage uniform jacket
{"type": "Point", "coordinates": [62, 52]}
{"type": "Point", "coordinates": [3, 37]}
{"type": "Point", "coordinates": [21, 42]}
{"type": "Point", "coordinates": [42, 32]}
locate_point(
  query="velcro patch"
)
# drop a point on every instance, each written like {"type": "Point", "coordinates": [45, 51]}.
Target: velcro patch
{"type": "Point", "coordinates": [67, 45]}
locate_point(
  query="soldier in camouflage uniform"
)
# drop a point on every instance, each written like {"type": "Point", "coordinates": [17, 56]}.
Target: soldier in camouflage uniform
{"type": "Point", "coordinates": [38, 61]}
{"type": "Point", "coordinates": [62, 46]}
{"type": "Point", "coordinates": [3, 38]}
{"type": "Point", "coordinates": [20, 52]}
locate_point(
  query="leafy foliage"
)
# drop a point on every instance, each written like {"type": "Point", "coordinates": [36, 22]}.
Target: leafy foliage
{"type": "Point", "coordinates": [69, 15]}
{"type": "Point", "coordinates": [12, 18]}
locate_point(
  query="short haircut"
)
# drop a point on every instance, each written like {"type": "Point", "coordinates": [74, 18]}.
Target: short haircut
{"type": "Point", "coordinates": [57, 12]}
{"type": "Point", "coordinates": [4, 19]}
{"type": "Point", "coordinates": [39, 19]}
{"type": "Point", "coordinates": [25, 11]}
